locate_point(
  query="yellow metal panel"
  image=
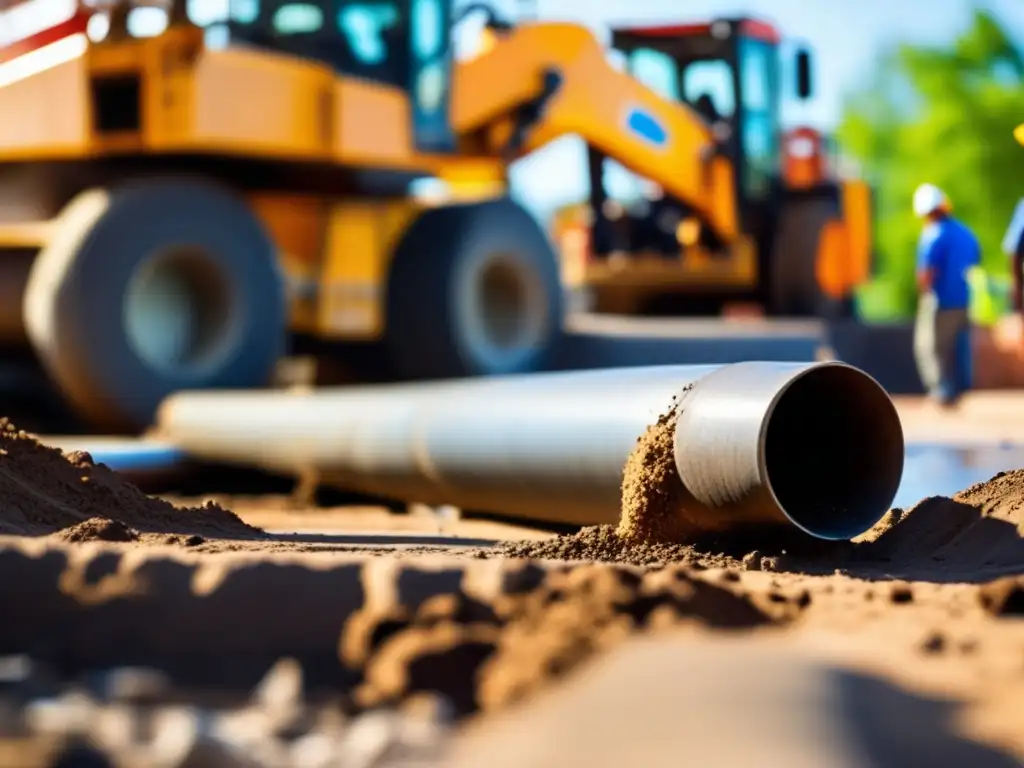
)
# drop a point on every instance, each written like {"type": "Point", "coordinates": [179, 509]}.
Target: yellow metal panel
{"type": "Point", "coordinates": [695, 271]}
{"type": "Point", "coordinates": [722, 197]}
{"type": "Point", "coordinates": [857, 217]}
{"type": "Point", "coordinates": [46, 114]}
{"type": "Point", "coordinates": [373, 126]}
{"type": "Point", "coordinates": [297, 224]}
{"type": "Point", "coordinates": [361, 237]}
{"type": "Point", "coordinates": [260, 103]}
{"type": "Point", "coordinates": [117, 58]}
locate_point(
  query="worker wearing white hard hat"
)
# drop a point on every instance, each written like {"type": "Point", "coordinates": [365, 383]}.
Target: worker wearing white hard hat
{"type": "Point", "coordinates": [946, 251]}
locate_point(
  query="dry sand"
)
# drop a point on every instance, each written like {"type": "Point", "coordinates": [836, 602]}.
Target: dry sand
{"type": "Point", "coordinates": [920, 625]}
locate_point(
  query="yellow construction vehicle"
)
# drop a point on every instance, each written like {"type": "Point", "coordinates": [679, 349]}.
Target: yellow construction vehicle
{"type": "Point", "coordinates": [177, 208]}
{"type": "Point", "coordinates": [801, 238]}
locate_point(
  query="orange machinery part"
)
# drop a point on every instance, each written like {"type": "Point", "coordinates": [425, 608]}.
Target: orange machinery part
{"type": "Point", "coordinates": [844, 250]}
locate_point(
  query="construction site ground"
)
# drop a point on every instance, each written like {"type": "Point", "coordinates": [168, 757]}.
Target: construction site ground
{"type": "Point", "coordinates": [358, 636]}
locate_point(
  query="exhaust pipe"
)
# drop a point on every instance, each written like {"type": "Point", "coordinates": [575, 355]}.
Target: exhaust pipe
{"type": "Point", "coordinates": [818, 446]}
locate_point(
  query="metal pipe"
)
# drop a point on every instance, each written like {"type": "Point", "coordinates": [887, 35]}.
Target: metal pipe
{"type": "Point", "coordinates": [818, 445]}
{"type": "Point", "coordinates": [143, 462]}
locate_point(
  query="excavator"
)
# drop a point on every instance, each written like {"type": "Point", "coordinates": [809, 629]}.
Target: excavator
{"type": "Point", "coordinates": [183, 205]}
{"type": "Point", "coordinates": [798, 238]}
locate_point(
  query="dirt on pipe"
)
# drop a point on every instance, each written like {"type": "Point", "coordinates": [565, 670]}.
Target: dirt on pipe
{"type": "Point", "coordinates": [107, 581]}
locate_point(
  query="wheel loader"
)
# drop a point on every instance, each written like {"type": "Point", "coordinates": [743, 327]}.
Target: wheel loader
{"type": "Point", "coordinates": [179, 209]}
{"type": "Point", "coordinates": [800, 238]}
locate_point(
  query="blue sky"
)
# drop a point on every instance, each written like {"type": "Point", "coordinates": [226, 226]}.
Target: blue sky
{"type": "Point", "coordinates": [845, 35]}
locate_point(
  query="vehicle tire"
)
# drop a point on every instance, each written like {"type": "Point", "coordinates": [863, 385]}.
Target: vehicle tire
{"type": "Point", "coordinates": [151, 288]}
{"type": "Point", "coordinates": [793, 286]}
{"type": "Point", "coordinates": [474, 290]}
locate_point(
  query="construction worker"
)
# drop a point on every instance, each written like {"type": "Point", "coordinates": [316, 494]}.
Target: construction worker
{"type": "Point", "coordinates": [1013, 244]}
{"type": "Point", "coordinates": [946, 250]}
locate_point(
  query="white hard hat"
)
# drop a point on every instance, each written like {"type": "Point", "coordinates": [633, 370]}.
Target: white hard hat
{"type": "Point", "coordinates": [927, 199]}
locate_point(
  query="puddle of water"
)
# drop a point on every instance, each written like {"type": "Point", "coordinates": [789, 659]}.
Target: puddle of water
{"type": "Point", "coordinates": [942, 470]}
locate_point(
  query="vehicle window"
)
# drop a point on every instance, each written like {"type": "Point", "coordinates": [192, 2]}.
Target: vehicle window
{"type": "Point", "coordinates": [244, 11]}
{"type": "Point", "coordinates": [756, 77]}
{"type": "Point", "coordinates": [298, 19]}
{"type": "Point", "coordinates": [146, 22]}
{"type": "Point", "coordinates": [205, 13]}
{"type": "Point", "coordinates": [712, 80]}
{"type": "Point", "coordinates": [656, 70]}
{"type": "Point", "coordinates": [364, 26]}
{"type": "Point", "coordinates": [428, 31]}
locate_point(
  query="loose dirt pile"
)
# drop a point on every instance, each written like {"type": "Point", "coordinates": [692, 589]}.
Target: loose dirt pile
{"type": "Point", "coordinates": [43, 492]}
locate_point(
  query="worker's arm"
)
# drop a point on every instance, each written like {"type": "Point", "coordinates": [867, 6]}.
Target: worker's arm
{"type": "Point", "coordinates": [929, 250]}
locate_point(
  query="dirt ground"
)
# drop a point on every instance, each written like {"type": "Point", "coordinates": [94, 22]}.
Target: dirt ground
{"type": "Point", "coordinates": [138, 633]}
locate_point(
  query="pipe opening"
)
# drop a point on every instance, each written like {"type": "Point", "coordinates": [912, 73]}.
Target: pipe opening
{"type": "Point", "coordinates": [833, 452]}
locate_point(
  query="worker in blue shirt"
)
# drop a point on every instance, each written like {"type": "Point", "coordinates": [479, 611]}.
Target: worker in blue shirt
{"type": "Point", "coordinates": [946, 251]}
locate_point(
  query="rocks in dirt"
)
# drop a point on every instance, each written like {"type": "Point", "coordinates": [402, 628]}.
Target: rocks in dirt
{"type": "Point", "coordinates": [45, 492]}
{"type": "Point", "coordinates": [487, 656]}
{"type": "Point", "coordinates": [276, 725]}
{"type": "Point", "coordinates": [479, 633]}
{"type": "Point", "coordinates": [604, 543]}
{"type": "Point", "coordinates": [99, 529]}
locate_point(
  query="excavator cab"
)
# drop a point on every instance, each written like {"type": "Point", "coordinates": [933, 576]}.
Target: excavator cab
{"type": "Point", "coordinates": [400, 43]}
{"type": "Point", "coordinates": [729, 73]}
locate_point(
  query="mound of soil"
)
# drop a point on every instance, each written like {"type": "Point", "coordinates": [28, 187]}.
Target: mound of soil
{"type": "Point", "coordinates": [45, 492]}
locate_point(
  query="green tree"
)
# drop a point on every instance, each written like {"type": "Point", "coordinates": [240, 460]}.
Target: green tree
{"type": "Point", "coordinates": [943, 115]}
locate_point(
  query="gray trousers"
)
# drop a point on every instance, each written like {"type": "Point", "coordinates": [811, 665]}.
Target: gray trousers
{"type": "Point", "coordinates": [940, 344]}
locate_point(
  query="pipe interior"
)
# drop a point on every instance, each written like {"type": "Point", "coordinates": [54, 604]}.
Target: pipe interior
{"type": "Point", "coordinates": [834, 452]}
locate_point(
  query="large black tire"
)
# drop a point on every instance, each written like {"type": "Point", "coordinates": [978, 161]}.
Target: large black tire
{"type": "Point", "coordinates": [474, 290]}
{"type": "Point", "coordinates": [793, 289]}
{"type": "Point", "coordinates": [151, 288]}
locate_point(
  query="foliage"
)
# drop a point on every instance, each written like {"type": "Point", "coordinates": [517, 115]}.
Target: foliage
{"type": "Point", "coordinates": [943, 115]}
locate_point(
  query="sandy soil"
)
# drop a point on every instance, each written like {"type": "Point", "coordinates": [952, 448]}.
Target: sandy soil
{"type": "Point", "coordinates": [193, 636]}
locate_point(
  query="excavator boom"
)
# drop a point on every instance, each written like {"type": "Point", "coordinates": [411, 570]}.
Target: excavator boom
{"type": "Point", "coordinates": [661, 140]}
